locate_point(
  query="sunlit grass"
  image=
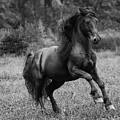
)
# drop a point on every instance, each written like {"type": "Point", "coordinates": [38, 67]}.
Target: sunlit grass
{"type": "Point", "coordinates": [73, 97]}
{"type": "Point", "coordinates": [110, 40]}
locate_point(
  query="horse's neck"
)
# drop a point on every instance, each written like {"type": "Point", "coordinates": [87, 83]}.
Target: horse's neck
{"type": "Point", "coordinates": [86, 45]}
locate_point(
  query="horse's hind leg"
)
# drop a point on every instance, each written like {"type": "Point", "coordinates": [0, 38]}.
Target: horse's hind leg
{"type": "Point", "coordinates": [108, 104]}
{"type": "Point", "coordinates": [50, 89]}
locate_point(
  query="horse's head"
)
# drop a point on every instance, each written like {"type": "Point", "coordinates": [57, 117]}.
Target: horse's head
{"type": "Point", "coordinates": [82, 26]}
{"type": "Point", "coordinates": [88, 24]}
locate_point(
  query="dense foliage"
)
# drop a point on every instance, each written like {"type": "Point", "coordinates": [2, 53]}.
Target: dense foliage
{"type": "Point", "coordinates": [17, 12]}
{"type": "Point", "coordinates": [13, 43]}
{"type": "Point", "coordinates": [38, 19]}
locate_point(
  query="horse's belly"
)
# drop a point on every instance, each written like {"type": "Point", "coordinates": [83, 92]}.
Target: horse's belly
{"type": "Point", "coordinates": [58, 71]}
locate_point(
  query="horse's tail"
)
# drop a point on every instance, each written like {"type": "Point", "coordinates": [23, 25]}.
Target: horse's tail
{"type": "Point", "coordinates": [34, 78]}
{"type": "Point", "coordinates": [27, 73]}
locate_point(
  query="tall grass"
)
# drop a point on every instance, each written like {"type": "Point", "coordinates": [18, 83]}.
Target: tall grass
{"type": "Point", "coordinates": [110, 41]}
{"type": "Point", "coordinates": [30, 37]}
{"type": "Point", "coordinates": [108, 44]}
{"type": "Point", "coordinates": [35, 39]}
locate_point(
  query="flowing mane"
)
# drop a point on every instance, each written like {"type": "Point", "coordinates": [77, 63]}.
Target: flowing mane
{"type": "Point", "coordinates": [65, 29]}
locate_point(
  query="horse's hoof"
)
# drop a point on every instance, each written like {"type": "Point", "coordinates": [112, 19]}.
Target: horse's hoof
{"type": "Point", "coordinates": [57, 110]}
{"type": "Point", "coordinates": [44, 111]}
{"type": "Point", "coordinates": [99, 100]}
{"type": "Point", "coordinates": [110, 107]}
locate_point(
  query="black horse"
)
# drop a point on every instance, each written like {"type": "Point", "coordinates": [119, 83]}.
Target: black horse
{"type": "Point", "coordinates": [50, 67]}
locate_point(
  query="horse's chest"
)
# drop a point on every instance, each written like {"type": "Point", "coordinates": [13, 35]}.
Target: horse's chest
{"type": "Point", "coordinates": [77, 55]}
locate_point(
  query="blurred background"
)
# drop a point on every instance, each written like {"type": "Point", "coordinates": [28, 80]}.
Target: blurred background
{"type": "Point", "coordinates": [31, 24]}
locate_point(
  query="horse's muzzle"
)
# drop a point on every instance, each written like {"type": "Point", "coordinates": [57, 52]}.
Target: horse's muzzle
{"type": "Point", "coordinates": [97, 39]}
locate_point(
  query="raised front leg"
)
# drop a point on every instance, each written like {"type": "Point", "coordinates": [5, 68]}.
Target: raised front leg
{"type": "Point", "coordinates": [77, 72]}
{"type": "Point", "coordinates": [107, 102]}
{"type": "Point", "coordinates": [82, 74]}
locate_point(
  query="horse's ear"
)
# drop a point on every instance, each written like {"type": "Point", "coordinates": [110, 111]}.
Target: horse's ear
{"type": "Point", "coordinates": [80, 10]}
{"type": "Point", "coordinates": [30, 54]}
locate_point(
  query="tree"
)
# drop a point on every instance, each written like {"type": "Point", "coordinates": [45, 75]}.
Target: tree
{"type": "Point", "coordinates": [17, 12]}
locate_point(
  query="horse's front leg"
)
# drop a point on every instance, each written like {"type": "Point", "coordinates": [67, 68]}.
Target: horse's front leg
{"type": "Point", "coordinates": [107, 102]}
{"type": "Point", "coordinates": [82, 74]}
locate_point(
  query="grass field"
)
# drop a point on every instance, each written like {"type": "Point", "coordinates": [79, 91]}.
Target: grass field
{"type": "Point", "coordinates": [73, 97]}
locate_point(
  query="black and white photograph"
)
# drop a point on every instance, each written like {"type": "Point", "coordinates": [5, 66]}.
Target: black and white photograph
{"type": "Point", "coordinates": [59, 59]}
